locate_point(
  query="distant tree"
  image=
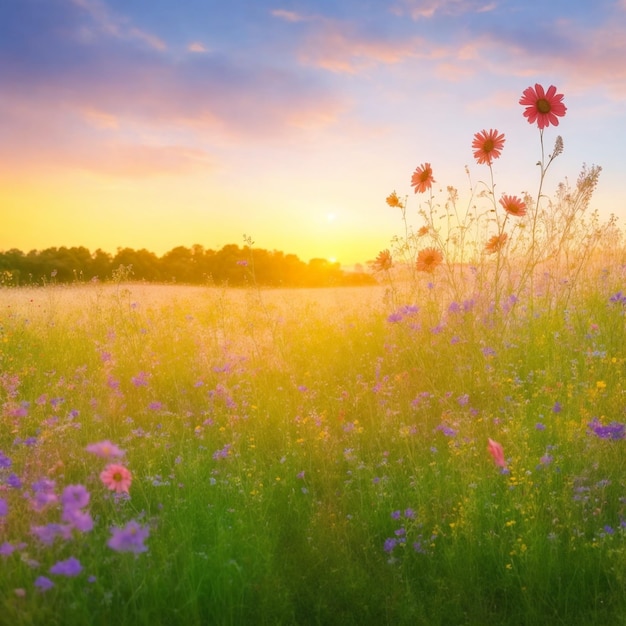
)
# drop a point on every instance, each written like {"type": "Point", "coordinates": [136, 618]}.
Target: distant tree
{"type": "Point", "coordinates": [145, 264]}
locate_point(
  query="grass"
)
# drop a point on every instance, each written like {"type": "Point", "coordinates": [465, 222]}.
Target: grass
{"type": "Point", "coordinates": [300, 459]}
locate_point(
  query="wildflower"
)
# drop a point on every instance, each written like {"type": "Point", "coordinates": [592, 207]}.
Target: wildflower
{"type": "Point", "coordinates": [395, 317]}
{"type": "Point", "coordinates": [422, 178]}
{"type": "Point", "coordinates": [422, 231]}
{"type": "Point", "coordinates": [614, 430]}
{"type": "Point", "coordinates": [513, 205]}
{"type": "Point", "coordinates": [496, 451]}
{"type": "Point", "coordinates": [5, 461]}
{"type": "Point", "coordinates": [44, 494]}
{"type": "Point", "coordinates": [43, 583]}
{"type": "Point", "coordinates": [390, 544]}
{"type": "Point", "coordinates": [69, 567]}
{"type": "Point", "coordinates": [393, 200]}
{"type": "Point", "coordinates": [428, 259]}
{"type": "Point", "coordinates": [130, 538]}
{"type": "Point", "coordinates": [496, 243]}
{"type": "Point", "coordinates": [48, 533]}
{"type": "Point", "coordinates": [543, 107]}
{"type": "Point", "coordinates": [75, 497]}
{"type": "Point", "coordinates": [4, 507]}
{"type": "Point", "coordinates": [383, 261]}
{"type": "Point", "coordinates": [116, 478]}
{"type": "Point", "coordinates": [80, 520]}
{"type": "Point", "coordinates": [105, 449]}
{"type": "Point", "coordinates": [487, 146]}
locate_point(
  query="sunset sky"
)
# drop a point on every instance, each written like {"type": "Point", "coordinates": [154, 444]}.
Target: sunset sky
{"type": "Point", "coordinates": [154, 124]}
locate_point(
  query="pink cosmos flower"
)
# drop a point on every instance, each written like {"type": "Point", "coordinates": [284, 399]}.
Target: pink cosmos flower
{"type": "Point", "coordinates": [116, 478]}
{"type": "Point", "coordinates": [487, 146]}
{"type": "Point", "coordinates": [496, 451]}
{"type": "Point", "coordinates": [542, 106]}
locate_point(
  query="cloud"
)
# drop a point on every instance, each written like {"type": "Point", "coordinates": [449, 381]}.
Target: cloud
{"type": "Point", "coordinates": [289, 16]}
{"type": "Point", "coordinates": [336, 47]}
{"type": "Point", "coordinates": [111, 24]}
{"type": "Point", "coordinates": [86, 70]}
{"type": "Point", "coordinates": [425, 9]}
{"type": "Point", "coordinates": [196, 46]}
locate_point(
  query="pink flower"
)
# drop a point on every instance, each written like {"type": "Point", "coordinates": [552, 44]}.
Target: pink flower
{"type": "Point", "coordinates": [542, 106]}
{"type": "Point", "coordinates": [487, 146]}
{"type": "Point", "coordinates": [105, 450]}
{"type": "Point", "coordinates": [116, 478]}
{"type": "Point", "coordinates": [496, 451]}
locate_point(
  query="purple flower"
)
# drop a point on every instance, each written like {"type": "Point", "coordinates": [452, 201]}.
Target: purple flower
{"type": "Point", "coordinates": [390, 544]}
{"type": "Point", "coordinates": [409, 513]}
{"type": "Point", "coordinates": [223, 453]}
{"type": "Point", "coordinates": [614, 430]}
{"type": "Point", "coordinates": [618, 298]}
{"type": "Point", "coordinates": [69, 567]}
{"type": "Point", "coordinates": [130, 538]}
{"type": "Point", "coordinates": [48, 533]}
{"type": "Point", "coordinates": [394, 318]}
{"type": "Point", "coordinates": [540, 426]}
{"type": "Point", "coordinates": [557, 407]}
{"type": "Point", "coordinates": [7, 548]}
{"type": "Point", "coordinates": [43, 583]}
{"type": "Point", "coordinates": [13, 480]}
{"type": "Point", "coordinates": [141, 380]}
{"type": "Point", "coordinates": [463, 400]}
{"type": "Point", "coordinates": [44, 494]}
{"type": "Point", "coordinates": [80, 520]}
{"type": "Point", "coordinates": [75, 497]}
{"type": "Point", "coordinates": [395, 515]}
{"type": "Point", "coordinates": [4, 507]}
{"type": "Point", "coordinates": [5, 461]}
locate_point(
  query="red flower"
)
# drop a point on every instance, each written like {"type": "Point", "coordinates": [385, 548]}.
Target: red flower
{"type": "Point", "coordinates": [496, 451]}
{"type": "Point", "coordinates": [513, 205]}
{"type": "Point", "coordinates": [542, 106]}
{"type": "Point", "coordinates": [487, 146]}
{"type": "Point", "coordinates": [422, 178]}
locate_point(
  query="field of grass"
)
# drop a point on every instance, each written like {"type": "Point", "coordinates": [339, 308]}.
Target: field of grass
{"type": "Point", "coordinates": [313, 457]}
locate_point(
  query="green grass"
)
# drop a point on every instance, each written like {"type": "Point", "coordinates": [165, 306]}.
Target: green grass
{"type": "Point", "coordinates": [280, 439]}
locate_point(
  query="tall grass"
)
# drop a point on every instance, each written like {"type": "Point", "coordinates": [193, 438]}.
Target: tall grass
{"type": "Point", "coordinates": [308, 457]}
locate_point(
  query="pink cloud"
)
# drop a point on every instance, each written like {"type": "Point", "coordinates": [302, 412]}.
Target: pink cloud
{"type": "Point", "coordinates": [334, 48]}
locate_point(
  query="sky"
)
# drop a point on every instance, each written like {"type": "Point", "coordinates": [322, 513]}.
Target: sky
{"type": "Point", "coordinates": [162, 123]}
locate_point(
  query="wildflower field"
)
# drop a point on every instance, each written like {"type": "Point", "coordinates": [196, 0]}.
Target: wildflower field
{"type": "Point", "coordinates": [444, 448]}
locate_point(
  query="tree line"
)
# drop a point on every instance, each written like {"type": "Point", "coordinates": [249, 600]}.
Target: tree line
{"type": "Point", "coordinates": [232, 266]}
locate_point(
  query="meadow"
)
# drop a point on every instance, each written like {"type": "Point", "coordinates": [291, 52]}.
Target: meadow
{"type": "Point", "coordinates": [312, 456]}
{"type": "Point", "coordinates": [443, 448]}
